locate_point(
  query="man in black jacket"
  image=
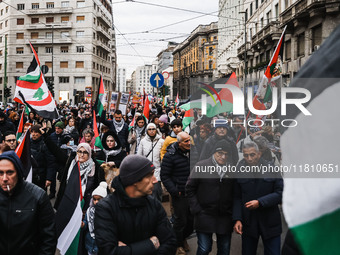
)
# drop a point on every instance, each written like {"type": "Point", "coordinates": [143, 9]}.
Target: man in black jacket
{"type": "Point", "coordinates": [26, 215]}
{"type": "Point", "coordinates": [257, 196]}
{"type": "Point", "coordinates": [175, 170]}
{"type": "Point", "coordinates": [210, 193]}
{"type": "Point", "coordinates": [222, 132]}
{"type": "Point", "coordinates": [130, 221]}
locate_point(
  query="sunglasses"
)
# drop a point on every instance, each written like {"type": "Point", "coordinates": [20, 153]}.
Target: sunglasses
{"type": "Point", "coordinates": [83, 152]}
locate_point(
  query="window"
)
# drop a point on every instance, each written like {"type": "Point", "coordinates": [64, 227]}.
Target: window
{"type": "Point", "coordinates": [276, 11]}
{"type": "Point", "coordinates": [34, 35]}
{"type": "Point", "coordinates": [269, 16]}
{"type": "Point", "coordinates": [64, 79]}
{"type": "Point", "coordinates": [79, 80]}
{"type": "Point", "coordinates": [50, 5]}
{"type": "Point", "coordinates": [21, 7]}
{"type": "Point", "coordinates": [65, 4]}
{"type": "Point", "coordinates": [65, 34]}
{"type": "Point", "coordinates": [20, 50]}
{"type": "Point", "coordinates": [63, 64]}
{"type": "Point", "coordinates": [49, 19]}
{"type": "Point", "coordinates": [0, 52]}
{"type": "Point", "coordinates": [48, 64]}
{"type": "Point", "coordinates": [2, 12]}
{"type": "Point", "coordinates": [65, 19]}
{"type": "Point", "coordinates": [256, 4]}
{"type": "Point", "coordinates": [211, 51]}
{"type": "Point", "coordinates": [35, 6]}
{"type": "Point", "coordinates": [316, 37]}
{"type": "Point", "coordinates": [19, 65]}
{"type": "Point", "coordinates": [6, 9]}
{"type": "Point", "coordinates": [0, 39]}
{"type": "Point", "coordinates": [48, 50]}
{"type": "Point", "coordinates": [301, 44]}
{"type": "Point", "coordinates": [80, 49]}
{"type": "Point", "coordinates": [20, 21]}
{"type": "Point", "coordinates": [286, 4]}
{"type": "Point", "coordinates": [34, 20]}
{"type": "Point", "coordinates": [262, 23]}
{"type": "Point", "coordinates": [80, 4]}
{"type": "Point", "coordinates": [80, 19]}
{"type": "Point", "coordinates": [80, 34]}
{"type": "Point", "coordinates": [48, 35]}
{"type": "Point", "coordinates": [20, 35]}
{"type": "Point", "coordinates": [288, 50]}
{"type": "Point", "coordinates": [251, 9]}
{"type": "Point", "coordinates": [64, 49]}
{"type": "Point", "coordinates": [0, 25]}
{"type": "Point", "coordinates": [79, 64]}
{"type": "Point", "coordinates": [6, 23]}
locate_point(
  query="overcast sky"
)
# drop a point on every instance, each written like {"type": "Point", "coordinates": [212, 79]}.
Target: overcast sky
{"type": "Point", "coordinates": [134, 19]}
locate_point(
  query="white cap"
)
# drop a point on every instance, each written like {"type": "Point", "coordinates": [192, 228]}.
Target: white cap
{"type": "Point", "coordinates": [101, 190]}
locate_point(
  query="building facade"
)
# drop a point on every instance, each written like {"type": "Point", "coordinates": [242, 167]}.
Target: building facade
{"type": "Point", "coordinates": [74, 39]}
{"type": "Point", "coordinates": [195, 59]}
{"type": "Point", "coordinates": [143, 74]}
{"type": "Point", "coordinates": [165, 58]}
{"type": "Point", "coordinates": [309, 23]}
{"type": "Point", "coordinates": [121, 79]}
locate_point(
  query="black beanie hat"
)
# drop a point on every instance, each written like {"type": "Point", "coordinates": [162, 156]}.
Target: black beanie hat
{"type": "Point", "coordinates": [176, 122]}
{"type": "Point", "coordinates": [133, 168]}
{"type": "Point", "coordinates": [222, 145]}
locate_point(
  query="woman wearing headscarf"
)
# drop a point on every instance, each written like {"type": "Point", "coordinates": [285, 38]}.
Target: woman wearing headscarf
{"type": "Point", "coordinates": [171, 116]}
{"type": "Point", "coordinates": [136, 134]}
{"type": "Point", "coordinates": [112, 151]}
{"type": "Point", "coordinates": [163, 126]}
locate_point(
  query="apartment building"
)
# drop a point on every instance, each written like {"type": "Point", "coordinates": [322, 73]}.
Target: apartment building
{"type": "Point", "coordinates": [195, 59]}
{"type": "Point", "coordinates": [143, 74]}
{"type": "Point", "coordinates": [121, 79]}
{"type": "Point", "coordinates": [74, 39]}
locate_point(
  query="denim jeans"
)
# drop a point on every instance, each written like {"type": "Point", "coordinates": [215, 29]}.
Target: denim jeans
{"type": "Point", "coordinates": [271, 246]}
{"type": "Point", "coordinates": [204, 243]}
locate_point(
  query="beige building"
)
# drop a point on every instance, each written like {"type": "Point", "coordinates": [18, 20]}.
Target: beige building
{"type": "Point", "coordinates": [195, 59]}
{"type": "Point", "coordinates": [309, 23]}
{"type": "Point", "coordinates": [74, 39]}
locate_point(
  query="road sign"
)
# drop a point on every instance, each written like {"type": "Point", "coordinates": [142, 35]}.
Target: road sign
{"type": "Point", "coordinates": [166, 75]}
{"type": "Point", "coordinates": [157, 80]}
{"type": "Point", "coordinates": [44, 69]}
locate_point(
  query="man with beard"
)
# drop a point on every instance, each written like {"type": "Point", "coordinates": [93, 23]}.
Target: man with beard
{"type": "Point", "coordinates": [119, 126]}
{"type": "Point", "coordinates": [5, 125]}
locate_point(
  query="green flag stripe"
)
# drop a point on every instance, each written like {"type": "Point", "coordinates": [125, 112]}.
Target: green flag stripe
{"type": "Point", "coordinates": [30, 78]}
{"type": "Point", "coordinates": [268, 95]}
{"type": "Point", "coordinates": [98, 143]}
{"type": "Point", "coordinates": [319, 236]}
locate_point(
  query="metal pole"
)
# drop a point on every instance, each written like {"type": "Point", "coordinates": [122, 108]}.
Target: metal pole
{"type": "Point", "coordinates": [5, 72]}
{"type": "Point", "coordinates": [52, 51]}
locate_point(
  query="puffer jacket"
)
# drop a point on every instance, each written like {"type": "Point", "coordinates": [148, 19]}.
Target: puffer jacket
{"type": "Point", "coordinates": [153, 148]}
{"type": "Point", "coordinates": [132, 221]}
{"type": "Point", "coordinates": [175, 170]}
{"type": "Point", "coordinates": [168, 140]}
{"type": "Point", "coordinates": [27, 224]}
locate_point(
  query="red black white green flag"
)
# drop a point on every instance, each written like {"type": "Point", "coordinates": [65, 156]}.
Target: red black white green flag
{"type": "Point", "coordinates": [31, 89]}
{"type": "Point", "coordinates": [98, 142]}
{"type": "Point", "coordinates": [24, 153]}
{"type": "Point", "coordinates": [21, 124]}
{"type": "Point", "coordinates": [100, 100]}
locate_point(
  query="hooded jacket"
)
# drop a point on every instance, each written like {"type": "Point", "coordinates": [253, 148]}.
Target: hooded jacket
{"type": "Point", "coordinates": [152, 149]}
{"type": "Point", "coordinates": [27, 224]}
{"type": "Point", "coordinates": [132, 221]}
{"type": "Point", "coordinates": [106, 156]}
{"type": "Point", "coordinates": [168, 140]}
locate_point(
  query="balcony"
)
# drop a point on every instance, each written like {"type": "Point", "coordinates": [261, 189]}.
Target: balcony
{"type": "Point", "coordinates": [49, 41]}
{"type": "Point", "coordinates": [103, 19]}
{"type": "Point", "coordinates": [44, 11]}
{"type": "Point", "coordinates": [103, 32]}
{"type": "Point", "coordinates": [62, 25]}
{"type": "Point", "coordinates": [103, 46]}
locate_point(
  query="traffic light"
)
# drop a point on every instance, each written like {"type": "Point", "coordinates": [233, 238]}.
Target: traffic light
{"type": "Point", "coordinates": [50, 85]}
{"type": "Point", "coordinates": [7, 92]}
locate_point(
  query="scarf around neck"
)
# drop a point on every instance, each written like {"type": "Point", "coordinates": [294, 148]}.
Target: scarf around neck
{"type": "Point", "coordinates": [118, 125]}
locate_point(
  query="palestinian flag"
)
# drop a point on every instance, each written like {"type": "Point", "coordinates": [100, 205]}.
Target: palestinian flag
{"type": "Point", "coordinates": [32, 90]}
{"type": "Point", "coordinates": [21, 125]}
{"type": "Point", "coordinates": [217, 102]}
{"type": "Point", "coordinates": [100, 100]}
{"type": "Point", "coordinates": [272, 75]}
{"type": "Point", "coordinates": [98, 142]}
{"type": "Point", "coordinates": [311, 200]}
{"type": "Point", "coordinates": [132, 124]}
{"type": "Point", "coordinates": [146, 110]}
{"type": "Point", "coordinates": [177, 100]}
{"type": "Point", "coordinates": [69, 215]}
{"type": "Point", "coordinates": [188, 117]}
{"type": "Point", "coordinates": [24, 153]}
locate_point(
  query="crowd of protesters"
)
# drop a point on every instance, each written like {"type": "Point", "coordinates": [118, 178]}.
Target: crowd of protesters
{"type": "Point", "coordinates": [154, 157]}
